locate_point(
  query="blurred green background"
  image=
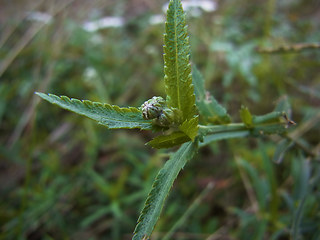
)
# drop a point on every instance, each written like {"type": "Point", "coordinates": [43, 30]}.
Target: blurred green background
{"type": "Point", "coordinates": [65, 177]}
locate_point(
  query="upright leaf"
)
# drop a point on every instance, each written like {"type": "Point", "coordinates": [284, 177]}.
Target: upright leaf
{"type": "Point", "coordinates": [246, 116]}
{"type": "Point", "coordinates": [178, 80]}
{"type": "Point", "coordinates": [207, 105]}
{"type": "Point", "coordinates": [283, 105]}
{"type": "Point", "coordinates": [108, 115]}
{"type": "Point", "coordinates": [160, 189]}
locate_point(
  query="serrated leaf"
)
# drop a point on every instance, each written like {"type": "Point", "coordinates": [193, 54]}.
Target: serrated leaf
{"type": "Point", "coordinates": [108, 115]}
{"type": "Point", "coordinates": [190, 127]}
{"type": "Point", "coordinates": [207, 105]}
{"type": "Point", "coordinates": [177, 69]}
{"type": "Point", "coordinates": [246, 116]}
{"type": "Point", "coordinates": [160, 189]}
{"type": "Point", "coordinates": [168, 141]}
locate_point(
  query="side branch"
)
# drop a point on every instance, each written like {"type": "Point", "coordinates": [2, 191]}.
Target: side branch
{"type": "Point", "coordinates": [290, 48]}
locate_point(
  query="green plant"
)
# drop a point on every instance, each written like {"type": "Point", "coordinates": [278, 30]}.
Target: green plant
{"type": "Point", "coordinates": [187, 103]}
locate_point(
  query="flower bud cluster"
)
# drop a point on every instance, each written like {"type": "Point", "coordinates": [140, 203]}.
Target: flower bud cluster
{"type": "Point", "coordinates": [156, 109]}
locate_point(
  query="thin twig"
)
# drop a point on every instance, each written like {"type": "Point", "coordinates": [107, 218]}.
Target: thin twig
{"type": "Point", "coordinates": [8, 32]}
{"type": "Point", "coordinates": [25, 40]}
{"type": "Point", "coordinates": [290, 48]}
{"type": "Point", "coordinates": [316, 151]}
{"type": "Point", "coordinates": [30, 110]}
{"type": "Point", "coordinates": [248, 187]}
{"type": "Point", "coordinates": [305, 127]}
{"type": "Point", "coordinates": [295, 135]}
{"type": "Point", "coordinates": [180, 235]}
{"type": "Point", "coordinates": [189, 211]}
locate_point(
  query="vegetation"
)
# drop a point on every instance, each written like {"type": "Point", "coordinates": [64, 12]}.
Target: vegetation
{"type": "Point", "coordinates": [78, 188]}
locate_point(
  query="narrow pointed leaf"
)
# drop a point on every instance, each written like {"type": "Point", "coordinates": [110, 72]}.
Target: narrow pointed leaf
{"type": "Point", "coordinates": [246, 116]}
{"type": "Point", "coordinates": [207, 105]}
{"type": "Point", "coordinates": [205, 130]}
{"type": "Point", "coordinates": [168, 141]}
{"type": "Point", "coordinates": [283, 105]}
{"type": "Point", "coordinates": [108, 115]}
{"type": "Point", "coordinates": [160, 189]}
{"type": "Point", "coordinates": [223, 135]}
{"type": "Point", "coordinates": [279, 118]}
{"type": "Point", "coordinates": [282, 147]}
{"type": "Point", "coordinates": [272, 123]}
{"type": "Point", "coordinates": [272, 117]}
{"type": "Point", "coordinates": [178, 80]}
{"type": "Point", "coordinates": [190, 127]}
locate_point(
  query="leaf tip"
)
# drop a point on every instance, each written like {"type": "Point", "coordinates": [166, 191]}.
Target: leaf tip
{"type": "Point", "coordinates": [40, 94]}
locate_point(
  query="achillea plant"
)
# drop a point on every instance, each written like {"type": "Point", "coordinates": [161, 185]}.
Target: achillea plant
{"type": "Point", "coordinates": [177, 116]}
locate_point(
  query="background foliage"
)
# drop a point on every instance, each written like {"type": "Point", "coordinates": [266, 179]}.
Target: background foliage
{"type": "Point", "coordinates": [65, 177]}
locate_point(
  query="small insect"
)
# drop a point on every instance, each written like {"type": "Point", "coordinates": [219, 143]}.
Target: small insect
{"type": "Point", "coordinates": [153, 108]}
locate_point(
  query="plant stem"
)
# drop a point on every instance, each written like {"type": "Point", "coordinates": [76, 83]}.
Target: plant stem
{"type": "Point", "coordinates": [239, 130]}
{"type": "Point", "coordinates": [293, 48]}
{"type": "Point", "coordinates": [222, 128]}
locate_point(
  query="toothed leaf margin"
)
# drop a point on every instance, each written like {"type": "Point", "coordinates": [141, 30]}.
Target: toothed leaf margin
{"type": "Point", "coordinates": [111, 116]}
{"type": "Point", "coordinates": [178, 79]}
{"type": "Point", "coordinates": [160, 189]}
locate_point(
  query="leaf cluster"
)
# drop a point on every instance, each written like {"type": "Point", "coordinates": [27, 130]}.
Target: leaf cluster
{"type": "Point", "coordinates": [187, 104]}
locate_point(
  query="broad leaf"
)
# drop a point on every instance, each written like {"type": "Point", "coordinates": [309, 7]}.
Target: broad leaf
{"type": "Point", "coordinates": [190, 127]}
{"type": "Point", "coordinates": [108, 115]}
{"type": "Point", "coordinates": [178, 80]}
{"type": "Point", "coordinates": [160, 189]}
{"type": "Point", "coordinates": [207, 105]}
{"type": "Point", "coordinates": [168, 141]}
